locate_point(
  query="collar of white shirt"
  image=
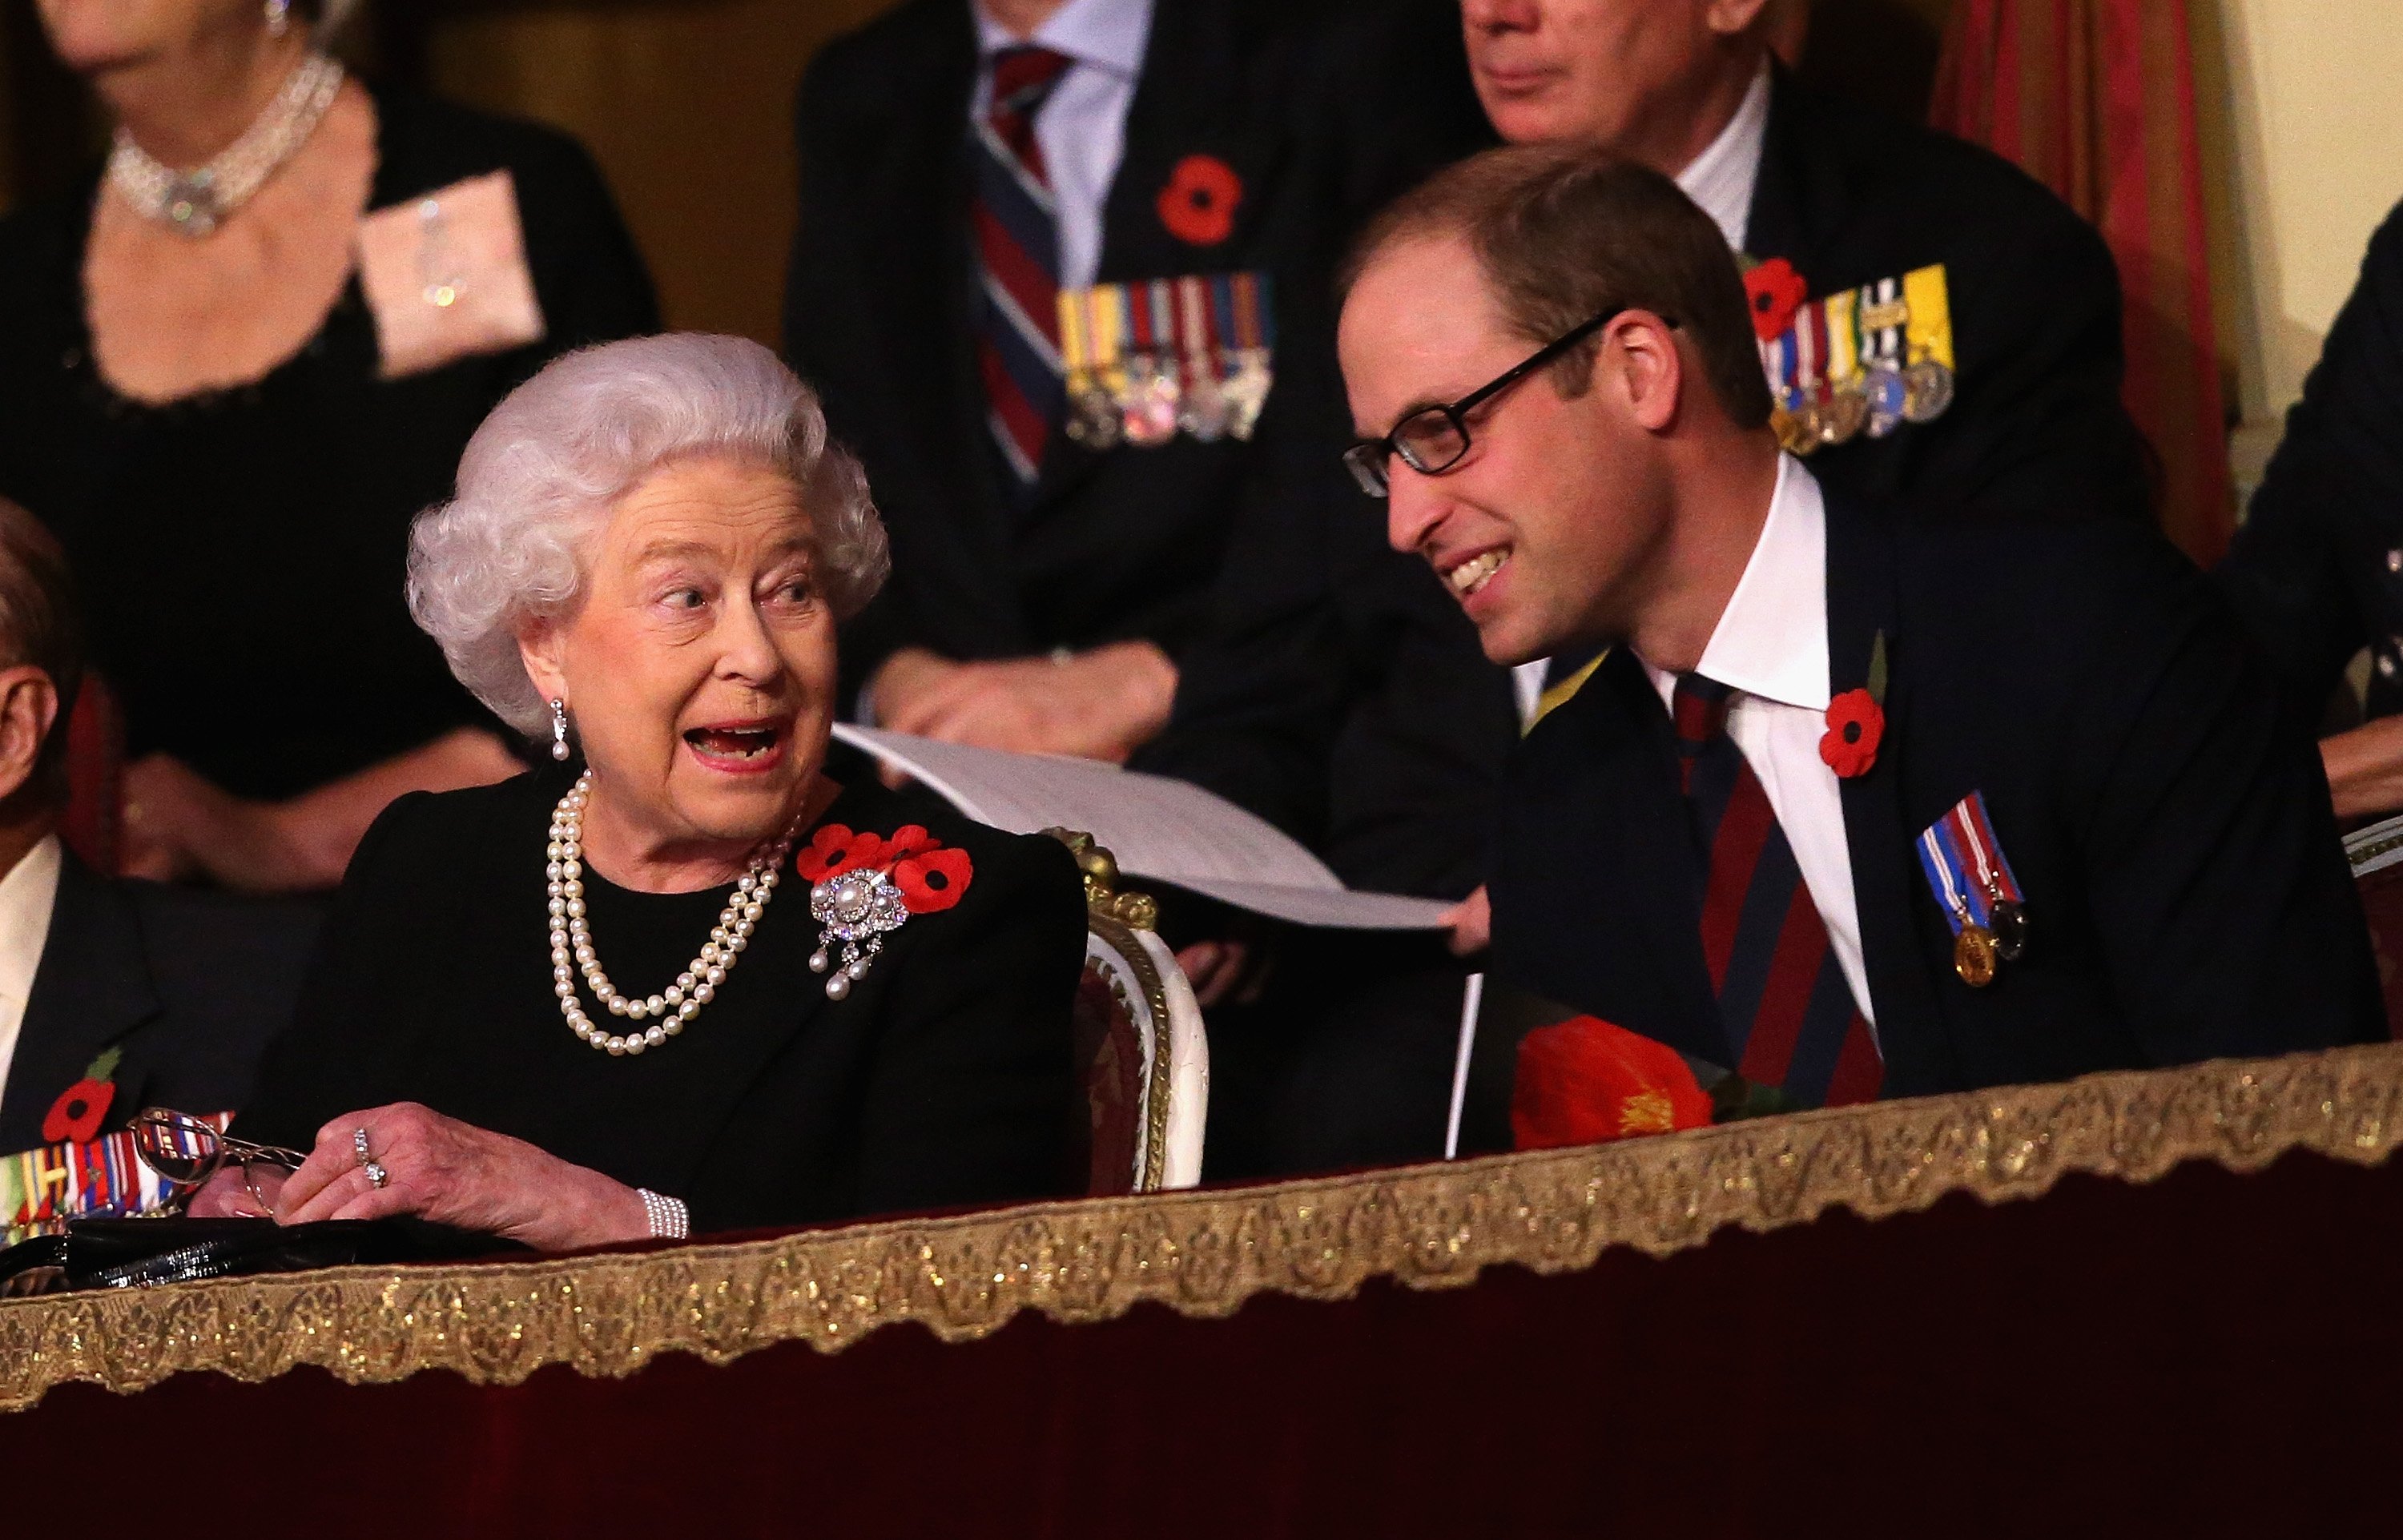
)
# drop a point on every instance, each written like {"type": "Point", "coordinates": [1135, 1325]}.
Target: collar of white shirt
{"type": "Point", "coordinates": [1722, 179]}
{"type": "Point", "coordinates": [1772, 639]}
{"type": "Point", "coordinates": [1105, 33]}
{"type": "Point", "coordinates": [27, 895]}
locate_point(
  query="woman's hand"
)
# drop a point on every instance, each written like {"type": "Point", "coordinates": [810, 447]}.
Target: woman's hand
{"type": "Point", "coordinates": [234, 1193]}
{"type": "Point", "coordinates": [454, 1174]}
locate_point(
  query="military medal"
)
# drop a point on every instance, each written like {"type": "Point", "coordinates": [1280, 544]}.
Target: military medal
{"type": "Point", "coordinates": [1973, 954]}
{"type": "Point", "coordinates": [1927, 381]}
{"type": "Point", "coordinates": [1092, 414]}
{"type": "Point", "coordinates": [1843, 414]}
{"type": "Point", "coordinates": [1245, 299]}
{"type": "Point", "coordinates": [1974, 885]}
{"type": "Point", "coordinates": [1927, 390]}
{"type": "Point", "coordinates": [1203, 413]}
{"type": "Point", "coordinates": [1149, 403]}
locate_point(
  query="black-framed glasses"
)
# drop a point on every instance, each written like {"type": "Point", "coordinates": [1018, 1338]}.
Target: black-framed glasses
{"type": "Point", "coordinates": [1432, 440]}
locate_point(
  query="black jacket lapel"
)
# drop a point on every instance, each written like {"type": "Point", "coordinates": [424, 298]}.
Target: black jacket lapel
{"type": "Point", "coordinates": [1801, 193]}
{"type": "Point", "coordinates": [1862, 603]}
{"type": "Point", "coordinates": [92, 988]}
{"type": "Point", "coordinates": [1600, 871]}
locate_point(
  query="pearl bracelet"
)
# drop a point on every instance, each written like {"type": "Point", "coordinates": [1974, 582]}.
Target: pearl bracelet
{"type": "Point", "coordinates": [669, 1218]}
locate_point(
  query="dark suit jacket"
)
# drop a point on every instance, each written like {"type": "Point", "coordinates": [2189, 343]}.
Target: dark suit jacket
{"type": "Point", "coordinates": [1351, 705]}
{"type": "Point", "coordinates": [190, 985]}
{"type": "Point", "coordinates": [2311, 569]}
{"type": "Point", "coordinates": [880, 314]}
{"type": "Point", "coordinates": [2186, 893]}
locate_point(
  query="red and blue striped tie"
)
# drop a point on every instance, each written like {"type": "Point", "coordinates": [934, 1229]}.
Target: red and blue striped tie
{"type": "Point", "coordinates": [1017, 260]}
{"type": "Point", "coordinates": [1782, 998]}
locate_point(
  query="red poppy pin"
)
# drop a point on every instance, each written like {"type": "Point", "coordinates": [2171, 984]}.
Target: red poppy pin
{"type": "Point", "coordinates": [74, 1117]}
{"type": "Point", "coordinates": [1199, 203]}
{"type": "Point", "coordinates": [1856, 722]}
{"type": "Point", "coordinates": [866, 886]}
{"type": "Point", "coordinates": [1775, 291]}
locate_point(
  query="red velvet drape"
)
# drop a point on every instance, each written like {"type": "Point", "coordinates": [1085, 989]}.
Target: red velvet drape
{"type": "Point", "coordinates": [2096, 99]}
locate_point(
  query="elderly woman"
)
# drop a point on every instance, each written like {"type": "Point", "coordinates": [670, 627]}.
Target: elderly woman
{"type": "Point", "coordinates": [564, 1008]}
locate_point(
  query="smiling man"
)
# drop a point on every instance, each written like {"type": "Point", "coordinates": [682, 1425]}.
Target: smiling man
{"type": "Point", "coordinates": [1837, 811]}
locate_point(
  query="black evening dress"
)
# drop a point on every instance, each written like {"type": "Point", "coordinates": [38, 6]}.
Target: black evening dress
{"type": "Point", "coordinates": [945, 1078]}
{"type": "Point", "coordinates": [241, 551]}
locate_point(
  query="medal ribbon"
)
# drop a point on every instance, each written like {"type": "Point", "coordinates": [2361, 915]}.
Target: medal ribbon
{"type": "Point", "coordinates": [1930, 323]}
{"type": "Point", "coordinates": [1958, 846]}
{"type": "Point", "coordinates": [1106, 336]}
{"type": "Point", "coordinates": [1843, 350]}
{"type": "Point", "coordinates": [1193, 310]}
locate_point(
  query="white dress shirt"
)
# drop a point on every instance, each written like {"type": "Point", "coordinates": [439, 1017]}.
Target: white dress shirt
{"type": "Point", "coordinates": [1771, 648]}
{"type": "Point", "coordinates": [1721, 181]}
{"type": "Point", "coordinates": [1082, 127]}
{"type": "Point", "coordinates": [27, 895]}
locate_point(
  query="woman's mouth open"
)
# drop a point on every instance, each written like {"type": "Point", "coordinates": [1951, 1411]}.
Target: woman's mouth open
{"type": "Point", "coordinates": [739, 748]}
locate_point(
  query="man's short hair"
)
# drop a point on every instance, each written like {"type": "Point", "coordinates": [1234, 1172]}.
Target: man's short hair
{"type": "Point", "coordinates": [39, 625]}
{"type": "Point", "coordinates": [1564, 232]}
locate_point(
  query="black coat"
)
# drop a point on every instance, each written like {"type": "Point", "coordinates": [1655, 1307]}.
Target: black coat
{"type": "Point", "coordinates": [945, 1077]}
{"type": "Point", "coordinates": [2186, 894]}
{"type": "Point", "coordinates": [188, 986]}
{"type": "Point", "coordinates": [1350, 702]}
{"type": "Point", "coordinates": [2316, 569]}
{"type": "Point", "coordinates": [880, 314]}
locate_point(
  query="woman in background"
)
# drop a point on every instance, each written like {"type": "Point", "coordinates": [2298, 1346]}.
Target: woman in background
{"type": "Point", "coordinates": [234, 363]}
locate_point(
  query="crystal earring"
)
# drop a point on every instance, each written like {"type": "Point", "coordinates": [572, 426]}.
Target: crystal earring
{"type": "Point", "coordinates": [279, 17]}
{"type": "Point", "coordinates": [559, 730]}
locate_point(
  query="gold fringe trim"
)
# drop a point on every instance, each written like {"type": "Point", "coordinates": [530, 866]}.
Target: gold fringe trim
{"type": "Point", "coordinates": [1205, 1254]}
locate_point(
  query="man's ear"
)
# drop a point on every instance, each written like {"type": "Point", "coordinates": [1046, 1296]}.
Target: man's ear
{"type": "Point", "coordinates": [539, 644]}
{"type": "Point", "coordinates": [1640, 362]}
{"type": "Point", "coordinates": [1734, 17]}
{"type": "Point", "coordinates": [28, 704]}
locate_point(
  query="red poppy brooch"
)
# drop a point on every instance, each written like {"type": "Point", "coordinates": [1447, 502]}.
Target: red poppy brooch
{"type": "Point", "coordinates": [1856, 722]}
{"type": "Point", "coordinates": [863, 887]}
{"type": "Point", "coordinates": [74, 1117]}
{"type": "Point", "coordinates": [1585, 1081]}
{"type": "Point", "coordinates": [1199, 203]}
{"type": "Point", "coordinates": [1775, 291]}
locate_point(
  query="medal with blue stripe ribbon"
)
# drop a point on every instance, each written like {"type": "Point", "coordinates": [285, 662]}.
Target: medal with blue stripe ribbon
{"type": "Point", "coordinates": [1974, 887]}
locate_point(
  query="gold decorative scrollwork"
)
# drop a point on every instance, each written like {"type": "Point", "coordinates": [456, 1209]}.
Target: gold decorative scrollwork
{"type": "Point", "coordinates": [1206, 1253]}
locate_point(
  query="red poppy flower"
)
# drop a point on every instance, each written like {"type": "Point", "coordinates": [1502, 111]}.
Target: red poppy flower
{"type": "Point", "coordinates": [1199, 203]}
{"type": "Point", "coordinates": [1855, 727]}
{"type": "Point", "coordinates": [835, 849]}
{"type": "Point", "coordinates": [1587, 1082]}
{"type": "Point", "coordinates": [933, 880]}
{"type": "Point", "coordinates": [1775, 292]}
{"type": "Point", "coordinates": [75, 1116]}
{"type": "Point", "coordinates": [909, 839]}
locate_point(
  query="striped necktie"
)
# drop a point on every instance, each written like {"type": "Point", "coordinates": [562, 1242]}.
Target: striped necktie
{"type": "Point", "coordinates": [1018, 261]}
{"type": "Point", "coordinates": [1783, 999]}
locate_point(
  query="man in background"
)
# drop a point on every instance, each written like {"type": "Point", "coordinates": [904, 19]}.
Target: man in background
{"type": "Point", "coordinates": [173, 993]}
{"type": "Point", "coordinates": [1048, 252]}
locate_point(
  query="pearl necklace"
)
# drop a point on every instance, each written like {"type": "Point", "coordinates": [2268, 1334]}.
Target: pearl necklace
{"type": "Point", "coordinates": [571, 936]}
{"type": "Point", "coordinates": [194, 202]}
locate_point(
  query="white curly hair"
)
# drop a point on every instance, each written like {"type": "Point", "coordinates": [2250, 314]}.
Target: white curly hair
{"type": "Point", "coordinates": [540, 475]}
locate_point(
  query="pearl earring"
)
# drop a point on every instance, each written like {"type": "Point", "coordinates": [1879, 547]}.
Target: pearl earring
{"type": "Point", "coordinates": [279, 17]}
{"type": "Point", "coordinates": [559, 730]}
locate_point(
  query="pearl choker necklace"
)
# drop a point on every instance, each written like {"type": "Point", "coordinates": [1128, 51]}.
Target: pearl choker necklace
{"type": "Point", "coordinates": [195, 203]}
{"type": "Point", "coordinates": [571, 937]}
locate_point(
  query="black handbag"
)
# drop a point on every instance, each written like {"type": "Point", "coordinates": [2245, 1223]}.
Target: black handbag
{"type": "Point", "coordinates": [138, 1254]}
